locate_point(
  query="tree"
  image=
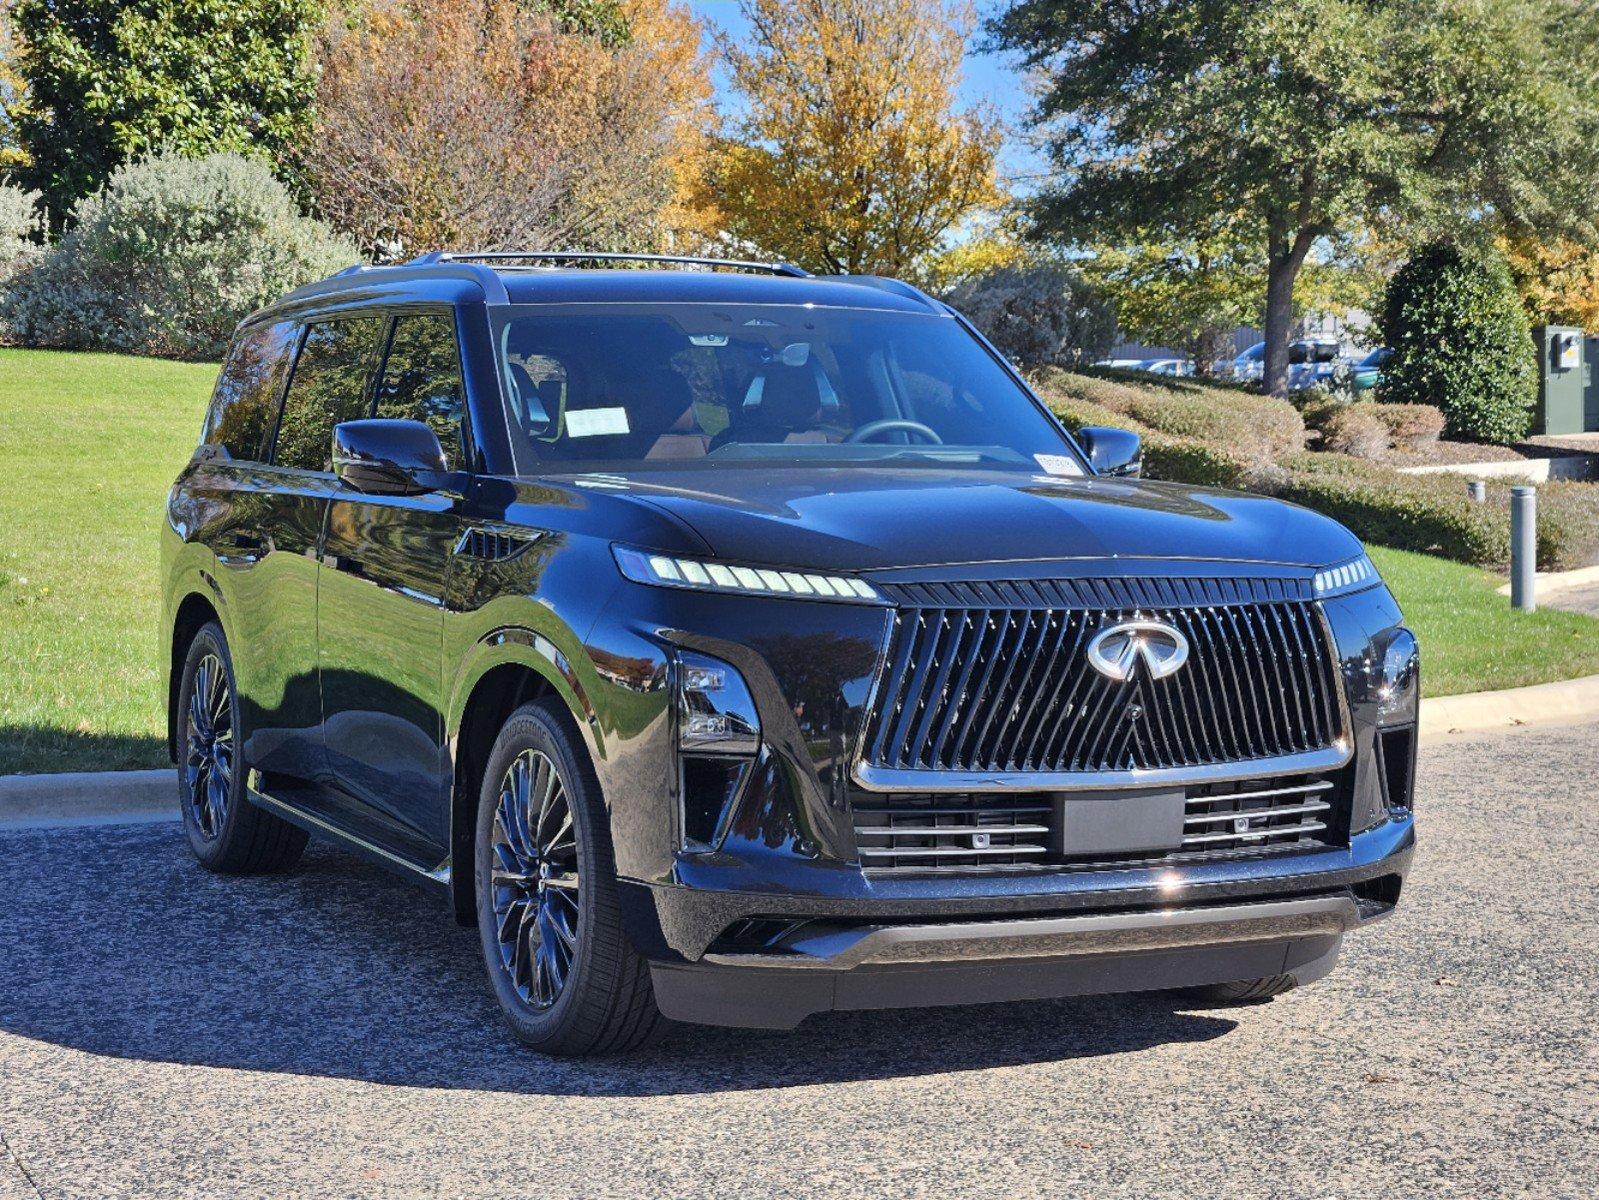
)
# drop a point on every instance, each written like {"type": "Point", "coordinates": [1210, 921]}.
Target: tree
{"type": "Point", "coordinates": [1558, 279]}
{"type": "Point", "coordinates": [1303, 119]}
{"type": "Point", "coordinates": [484, 124]}
{"type": "Point", "coordinates": [112, 80]}
{"type": "Point", "coordinates": [11, 97]}
{"type": "Point", "coordinates": [1460, 342]}
{"type": "Point", "coordinates": [1039, 314]}
{"type": "Point", "coordinates": [847, 153]}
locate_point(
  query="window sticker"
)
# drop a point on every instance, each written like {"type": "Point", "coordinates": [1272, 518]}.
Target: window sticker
{"type": "Point", "coordinates": [1058, 464]}
{"type": "Point", "coordinates": [595, 422]}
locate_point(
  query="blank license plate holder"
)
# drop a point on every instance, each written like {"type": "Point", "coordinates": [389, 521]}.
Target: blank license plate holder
{"type": "Point", "coordinates": [1119, 822]}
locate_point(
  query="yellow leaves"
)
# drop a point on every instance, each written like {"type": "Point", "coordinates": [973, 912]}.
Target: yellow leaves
{"type": "Point", "coordinates": [849, 154]}
{"type": "Point", "coordinates": [1558, 281]}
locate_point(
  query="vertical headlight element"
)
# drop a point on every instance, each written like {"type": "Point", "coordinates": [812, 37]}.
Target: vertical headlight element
{"type": "Point", "coordinates": [1399, 680]}
{"type": "Point", "coordinates": [718, 739]}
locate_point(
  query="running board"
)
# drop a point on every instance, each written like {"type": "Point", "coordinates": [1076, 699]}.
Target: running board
{"type": "Point", "coordinates": [302, 810]}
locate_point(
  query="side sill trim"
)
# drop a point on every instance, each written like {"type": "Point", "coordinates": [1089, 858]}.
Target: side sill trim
{"type": "Point", "coordinates": [439, 874]}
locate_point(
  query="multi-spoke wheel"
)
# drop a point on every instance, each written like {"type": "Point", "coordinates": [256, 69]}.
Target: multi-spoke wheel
{"type": "Point", "coordinates": [208, 770]}
{"type": "Point", "coordinates": [564, 973]}
{"type": "Point", "coordinates": [226, 831]}
{"type": "Point", "coordinates": [535, 879]}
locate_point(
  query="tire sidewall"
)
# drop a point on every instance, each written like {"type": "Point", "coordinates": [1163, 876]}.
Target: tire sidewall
{"type": "Point", "coordinates": [210, 640]}
{"type": "Point", "coordinates": [532, 727]}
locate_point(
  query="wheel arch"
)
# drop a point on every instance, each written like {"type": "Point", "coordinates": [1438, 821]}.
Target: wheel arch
{"type": "Point", "coordinates": [510, 667]}
{"type": "Point", "coordinates": [193, 613]}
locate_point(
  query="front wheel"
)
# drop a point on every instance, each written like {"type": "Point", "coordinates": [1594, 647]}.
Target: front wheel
{"type": "Point", "coordinates": [567, 979]}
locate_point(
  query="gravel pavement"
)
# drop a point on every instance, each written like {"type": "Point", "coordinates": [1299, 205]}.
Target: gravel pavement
{"type": "Point", "coordinates": [165, 1032]}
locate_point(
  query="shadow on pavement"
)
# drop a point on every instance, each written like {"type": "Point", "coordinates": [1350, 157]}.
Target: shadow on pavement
{"type": "Point", "coordinates": [113, 941]}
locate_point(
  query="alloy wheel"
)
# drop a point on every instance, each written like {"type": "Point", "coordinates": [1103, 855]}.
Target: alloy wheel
{"type": "Point", "coordinates": [208, 768]}
{"type": "Point", "coordinates": [534, 877]}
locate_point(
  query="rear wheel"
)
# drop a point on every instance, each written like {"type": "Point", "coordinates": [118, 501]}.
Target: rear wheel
{"type": "Point", "coordinates": [549, 921]}
{"type": "Point", "coordinates": [226, 832]}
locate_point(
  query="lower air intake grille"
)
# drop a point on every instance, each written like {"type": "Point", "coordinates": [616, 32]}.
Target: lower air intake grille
{"type": "Point", "coordinates": [941, 832]}
{"type": "Point", "coordinates": [960, 832]}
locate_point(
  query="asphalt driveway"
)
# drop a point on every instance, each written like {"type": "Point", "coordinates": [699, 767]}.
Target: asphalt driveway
{"type": "Point", "coordinates": [166, 1032]}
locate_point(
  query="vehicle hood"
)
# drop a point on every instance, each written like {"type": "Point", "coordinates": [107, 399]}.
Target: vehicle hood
{"type": "Point", "coordinates": [852, 519]}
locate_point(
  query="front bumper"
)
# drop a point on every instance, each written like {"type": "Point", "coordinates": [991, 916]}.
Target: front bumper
{"type": "Point", "coordinates": [1068, 933]}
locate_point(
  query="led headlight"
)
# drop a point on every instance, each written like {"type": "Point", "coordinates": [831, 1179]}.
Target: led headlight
{"type": "Point", "coordinates": [1351, 576]}
{"type": "Point", "coordinates": [1398, 684]}
{"type": "Point", "coordinates": [670, 570]}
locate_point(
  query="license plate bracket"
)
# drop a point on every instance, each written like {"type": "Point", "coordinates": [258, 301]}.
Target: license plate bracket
{"type": "Point", "coordinates": [1135, 821]}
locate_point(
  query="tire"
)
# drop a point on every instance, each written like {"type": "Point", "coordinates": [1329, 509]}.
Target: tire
{"type": "Point", "coordinates": [567, 979]}
{"type": "Point", "coordinates": [227, 833]}
{"type": "Point", "coordinates": [1244, 991]}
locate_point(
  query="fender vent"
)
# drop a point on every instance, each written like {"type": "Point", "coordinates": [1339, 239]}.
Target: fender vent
{"type": "Point", "coordinates": [492, 545]}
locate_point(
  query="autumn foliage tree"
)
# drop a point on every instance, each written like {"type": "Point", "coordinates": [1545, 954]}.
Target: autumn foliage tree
{"type": "Point", "coordinates": [486, 124]}
{"type": "Point", "coordinates": [847, 152]}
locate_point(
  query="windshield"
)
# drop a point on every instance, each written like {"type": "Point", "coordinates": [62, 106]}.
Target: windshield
{"type": "Point", "coordinates": [605, 386]}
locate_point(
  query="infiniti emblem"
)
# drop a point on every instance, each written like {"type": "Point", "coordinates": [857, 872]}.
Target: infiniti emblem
{"type": "Point", "coordinates": [1116, 652]}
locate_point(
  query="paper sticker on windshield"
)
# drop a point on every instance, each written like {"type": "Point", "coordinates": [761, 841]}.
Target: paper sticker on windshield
{"type": "Point", "coordinates": [1058, 464]}
{"type": "Point", "coordinates": [595, 422]}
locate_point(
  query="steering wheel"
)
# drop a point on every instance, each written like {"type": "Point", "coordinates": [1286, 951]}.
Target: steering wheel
{"type": "Point", "coordinates": [872, 428]}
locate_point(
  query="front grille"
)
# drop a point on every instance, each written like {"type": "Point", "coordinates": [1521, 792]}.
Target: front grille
{"type": "Point", "coordinates": [907, 833]}
{"type": "Point", "coordinates": [994, 677]}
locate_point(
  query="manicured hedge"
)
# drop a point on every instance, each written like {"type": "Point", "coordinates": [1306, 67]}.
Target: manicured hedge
{"type": "Point", "coordinates": [1225, 438]}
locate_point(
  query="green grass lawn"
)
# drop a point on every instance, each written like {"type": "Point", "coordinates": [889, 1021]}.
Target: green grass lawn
{"type": "Point", "coordinates": [1471, 639]}
{"type": "Point", "coordinates": [89, 444]}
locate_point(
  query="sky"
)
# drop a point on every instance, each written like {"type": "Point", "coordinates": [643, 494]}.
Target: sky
{"type": "Point", "coordinates": [989, 78]}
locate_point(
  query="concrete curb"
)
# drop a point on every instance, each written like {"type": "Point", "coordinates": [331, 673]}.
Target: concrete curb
{"type": "Point", "coordinates": [1444, 717]}
{"type": "Point", "coordinates": [1558, 581]}
{"type": "Point", "coordinates": [150, 797]}
{"type": "Point", "coordinates": [88, 798]}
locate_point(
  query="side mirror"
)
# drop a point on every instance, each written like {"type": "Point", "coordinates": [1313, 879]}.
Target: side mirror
{"type": "Point", "coordinates": [1112, 451]}
{"type": "Point", "coordinates": [388, 458]}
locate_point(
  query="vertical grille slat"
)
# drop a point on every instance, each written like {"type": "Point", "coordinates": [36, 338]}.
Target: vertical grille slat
{"type": "Point", "coordinates": [995, 677]}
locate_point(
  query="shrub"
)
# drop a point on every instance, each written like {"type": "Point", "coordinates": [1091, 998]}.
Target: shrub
{"type": "Point", "coordinates": [21, 225]}
{"type": "Point", "coordinates": [1460, 342]}
{"type": "Point", "coordinates": [1354, 429]}
{"type": "Point", "coordinates": [1245, 425]}
{"type": "Point", "coordinates": [1427, 513]}
{"type": "Point", "coordinates": [1411, 427]}
{"type": "Point", "coordinates": [169, 258]}
{"type": "Point", "coordinates": [1038, 316]}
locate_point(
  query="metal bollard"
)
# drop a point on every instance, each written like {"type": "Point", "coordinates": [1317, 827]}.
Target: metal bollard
{"type": "Point", "coordinates": [1477, 489]}
{"type": "Point", "coordinates": [1523, 548]}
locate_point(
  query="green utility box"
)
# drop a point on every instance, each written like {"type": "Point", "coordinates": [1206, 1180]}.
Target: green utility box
{"type": "Point", "coordinates": [1563, 382]}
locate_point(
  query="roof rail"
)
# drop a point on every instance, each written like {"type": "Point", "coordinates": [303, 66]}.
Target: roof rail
{"type": "Point", "coordinates": [605, 256]}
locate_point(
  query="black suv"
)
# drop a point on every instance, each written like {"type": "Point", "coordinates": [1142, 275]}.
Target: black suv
{"type": "Point", "coordinates": [733, 644]}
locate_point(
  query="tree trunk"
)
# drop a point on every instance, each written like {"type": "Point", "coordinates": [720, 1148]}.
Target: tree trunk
{"type": "Point", "coordinates": [1283, 260]}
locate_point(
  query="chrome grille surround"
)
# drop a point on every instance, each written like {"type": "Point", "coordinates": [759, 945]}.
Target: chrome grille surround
{"type": "Point", "coordinates": [986, 685]}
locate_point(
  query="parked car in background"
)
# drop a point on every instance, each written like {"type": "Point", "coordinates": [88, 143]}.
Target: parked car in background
{"type": "Point", "coordinates": [1311, 363]}
{"type": "Point", "coordinates": [1167, 366]}
{"type": "Point", "coordinates": [733, 644]}
{"type": "Point", "coordinates": [1367, 373]}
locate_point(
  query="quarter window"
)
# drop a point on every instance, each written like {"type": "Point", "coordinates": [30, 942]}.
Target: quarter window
{"type": "Point", "coordinates": [328, 386]}
{"type": "Point", "coordinates": [421, 380]}
{"type": "Point", "coordinates": [246, 396]}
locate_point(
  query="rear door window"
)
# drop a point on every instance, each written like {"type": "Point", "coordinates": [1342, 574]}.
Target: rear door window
{"type": "Point", "coordinates": [329, 386]}
{"type": "Point", "coordinates": [246, 398]}
{"type": "Point", "coordinates": [421, 380]}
